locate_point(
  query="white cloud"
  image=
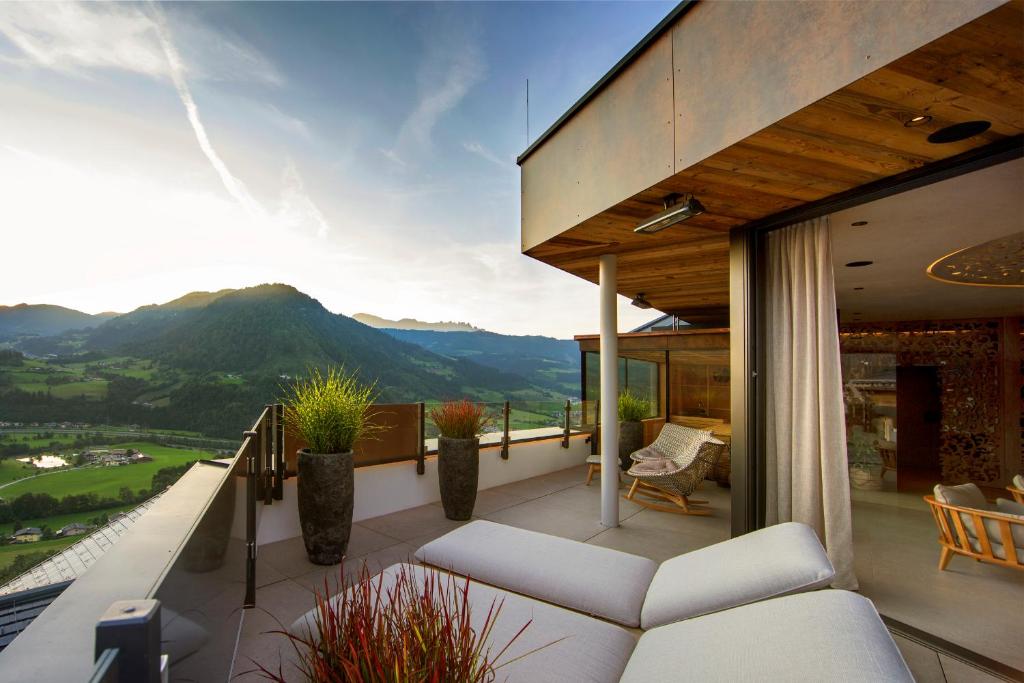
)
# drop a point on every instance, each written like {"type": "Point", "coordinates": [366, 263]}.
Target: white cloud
{"type": "Point", "coordinates": [235, 187]}
{"type": "Point", "coordinates": [485, 153]}
{"type": "Point", "coordinates": [296, 211]}
{"type": "Point", "coordinates": [452, 63]}
{"type": "Point", "coordinates": [77, 37]}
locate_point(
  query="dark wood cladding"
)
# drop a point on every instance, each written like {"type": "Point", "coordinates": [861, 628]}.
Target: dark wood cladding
{"type": "Point", "coordinates": [851, 138]}
{"type": "Point", "coordinates": [654, 344]}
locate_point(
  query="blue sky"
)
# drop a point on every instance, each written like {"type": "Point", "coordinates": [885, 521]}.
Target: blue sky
{"type": "Point", "coordinates": [363, 152]}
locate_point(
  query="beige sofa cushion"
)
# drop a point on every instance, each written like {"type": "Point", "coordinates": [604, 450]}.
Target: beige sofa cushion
{"type": "Point", "coordinates": [962, 496]}
{"type": "Point", "coordinates": [1009, 507]}
{"type": "Point", "coordinates": [558, 645]}
{"type": "Point", "coordinates": [827, 635]}
{"type": "Point", "coordinates": [781, 559]}
{"type": "Point", "coordinates": [606, 583]}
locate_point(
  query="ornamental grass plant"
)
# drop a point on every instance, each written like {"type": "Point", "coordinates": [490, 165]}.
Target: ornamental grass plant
{"type": "Point", "coordinates": [407, 630]}
{"type": "Point", "coordinates": [632, 408]}
{"type": "Point", "coordinates": [459, 419]}
{"type": "Point", "coordinates": [329, 411]}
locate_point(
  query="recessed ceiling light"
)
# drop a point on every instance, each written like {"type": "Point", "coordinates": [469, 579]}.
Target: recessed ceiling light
{"type": "Point", "coordinates": [918, 120]}
{"type": "Point", "coordinates": [858, 264]}
{"type": "Point", "coordinates": [857, 289]}
{"type": "Point", "coordinates": [958, 132]}
{"type": "Point", "coordinates": [858, 224]}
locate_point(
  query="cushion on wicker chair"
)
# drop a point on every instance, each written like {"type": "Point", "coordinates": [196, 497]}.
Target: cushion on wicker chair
{"type": "Point", "coordinates": [680, 443]}
{"type": "Point", "coordinates": [655, 465]}
{"type": "Point", "coordinates": [648, 453]}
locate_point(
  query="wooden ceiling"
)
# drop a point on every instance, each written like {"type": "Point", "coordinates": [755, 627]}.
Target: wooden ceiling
{"type": "Point", "coordinates": [850, 138]}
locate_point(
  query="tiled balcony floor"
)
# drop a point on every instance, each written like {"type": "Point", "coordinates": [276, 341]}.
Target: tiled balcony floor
{"type": "Point", "coordinates": [557, 504]}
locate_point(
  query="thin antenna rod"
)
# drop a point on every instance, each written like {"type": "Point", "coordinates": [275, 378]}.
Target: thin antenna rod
{"type": "Point", "coordinates": [527, 112]}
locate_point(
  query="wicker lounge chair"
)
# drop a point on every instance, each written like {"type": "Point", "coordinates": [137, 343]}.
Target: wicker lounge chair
{"type": "Point", "coordinates": [672, 468]}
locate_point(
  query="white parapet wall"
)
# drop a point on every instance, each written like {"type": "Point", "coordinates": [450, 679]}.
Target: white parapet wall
{"type": "Point", "coordinates": [383, 489]}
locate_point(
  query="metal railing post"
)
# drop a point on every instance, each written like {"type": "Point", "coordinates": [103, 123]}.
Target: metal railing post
{"type": "Point", "coordinates": [594, 445]}
{"type": "Point", "coordinates": [565, 433]}
{"type": "Point", "coordinates": [131, 629]}
{"type": "Point", "coordinates": [505, 436]}
{"type": "Point", "coordinates": [258, 456]}
{"type": "Point", "coordinates": [421, 456]}
{"type": "Point", "coordinates": [279, 466]}
{"type": "Point", "coordinates": [267, 455]}
{"type": "Point", "coordinates": [250, 519]}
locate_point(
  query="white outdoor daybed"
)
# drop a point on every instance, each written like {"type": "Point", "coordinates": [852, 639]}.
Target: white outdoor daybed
{"type": "Point", "coordinates": [734, 611]}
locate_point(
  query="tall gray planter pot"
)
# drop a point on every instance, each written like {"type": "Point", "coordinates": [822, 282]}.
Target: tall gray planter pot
{"type": "Point", "coordinates": [631, 439]}
{"type": "Point", "coordinates": [458, 470]}
{"type": "Point", "coordinates": [325, 504]}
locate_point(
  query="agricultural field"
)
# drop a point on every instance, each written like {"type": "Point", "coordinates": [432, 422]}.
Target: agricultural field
{"type": "Point", "coordinates": [9, 553]}
{"type": "Point", "coordinates": [12, 470]}
{"type": "Point", "coordinates": [88, 379]}
{"type": "Point", "coordinates": [36, 439]}
{"type": "Point", "coordinates": [106, 482]}
{"type": "Point", "coordinates": [56, 522]}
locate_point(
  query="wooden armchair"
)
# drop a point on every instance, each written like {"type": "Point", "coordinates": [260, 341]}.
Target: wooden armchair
{"type": "Point", "coordinates": [984, 535]}
{"type": "Point", "coordinates": [1017, 488]}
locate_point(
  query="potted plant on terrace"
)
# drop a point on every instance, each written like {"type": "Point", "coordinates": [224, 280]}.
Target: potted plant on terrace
{"type": "Point", "coordinates": [329, 413]}
{"type": "Point", "coordinates": [458, 455]}
{"type": "Point", "coordinates": [865, 465]}
{"type": "Point", "coordinates": [632, 411]}
{"type": "Point", "coordinates": [365, 633]}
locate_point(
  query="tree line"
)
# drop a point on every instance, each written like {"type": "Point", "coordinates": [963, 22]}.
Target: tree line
{"type": "Point", "coordinates": [35, 505]}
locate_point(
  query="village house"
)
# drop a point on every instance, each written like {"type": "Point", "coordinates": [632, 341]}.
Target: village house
{"type": "Point", "coordinates": [115, 457]}
{"type": "Point", "coordinates": [27, 535]}
{"type": "Point", "coordinates": [74, 529]}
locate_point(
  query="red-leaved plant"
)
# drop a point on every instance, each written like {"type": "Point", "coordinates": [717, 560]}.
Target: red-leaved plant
{"type": "Point", "coordinates": [402, 630]}
{"type": "Point", "coordinates": [459, 419]}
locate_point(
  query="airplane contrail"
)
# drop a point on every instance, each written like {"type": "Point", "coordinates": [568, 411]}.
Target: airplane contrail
{"type": "Point", "coordinates": [235, 187]}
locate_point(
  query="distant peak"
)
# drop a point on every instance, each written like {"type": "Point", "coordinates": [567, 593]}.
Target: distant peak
{"type": "Point", "coordinates": [413, 324]}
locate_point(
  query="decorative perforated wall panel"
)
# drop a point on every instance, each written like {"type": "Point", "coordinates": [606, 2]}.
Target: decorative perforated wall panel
{"type": "Point", "coordinates": [967, 354]}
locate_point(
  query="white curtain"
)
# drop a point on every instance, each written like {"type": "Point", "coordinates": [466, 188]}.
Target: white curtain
{"type": "Point", "coordinates": [807, 476]}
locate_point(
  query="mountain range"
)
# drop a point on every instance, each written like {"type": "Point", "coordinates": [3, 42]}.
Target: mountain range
{"type": "Point", "coordinates": [208, 360]}
{"type": "Point", "coordinates": [45, 319]}
{"type": "Point", "coordinates": [413, 324]}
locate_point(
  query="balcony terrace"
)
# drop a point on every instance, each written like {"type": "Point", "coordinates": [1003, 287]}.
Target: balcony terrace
{"type": "Point", "coordinates": [560, 504]}
{"type": "Point", "coordinates": [188, 552]}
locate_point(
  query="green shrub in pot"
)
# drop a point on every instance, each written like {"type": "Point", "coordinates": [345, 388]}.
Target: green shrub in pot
{"type": "Point", "coordinates": [329, 412]}
{"type": "Point", "coordinates": [633, 410]}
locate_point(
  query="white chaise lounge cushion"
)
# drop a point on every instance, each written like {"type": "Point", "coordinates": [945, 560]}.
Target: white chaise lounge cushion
{"type": "Point", "coordinates": [587, 578]}
{"type": "Point", "coordinates": [781, 559]}
{"type": "Point", "coordinates": [578, 648]}
{"type": "Point", "coordinates": [826, 635]}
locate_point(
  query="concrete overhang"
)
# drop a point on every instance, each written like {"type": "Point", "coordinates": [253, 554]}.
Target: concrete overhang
{"type": "Point", "coordinates": [758, 108]}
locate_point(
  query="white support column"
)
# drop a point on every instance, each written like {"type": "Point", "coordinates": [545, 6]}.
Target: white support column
{"type": "Point", "coordinates": [609, 393]}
